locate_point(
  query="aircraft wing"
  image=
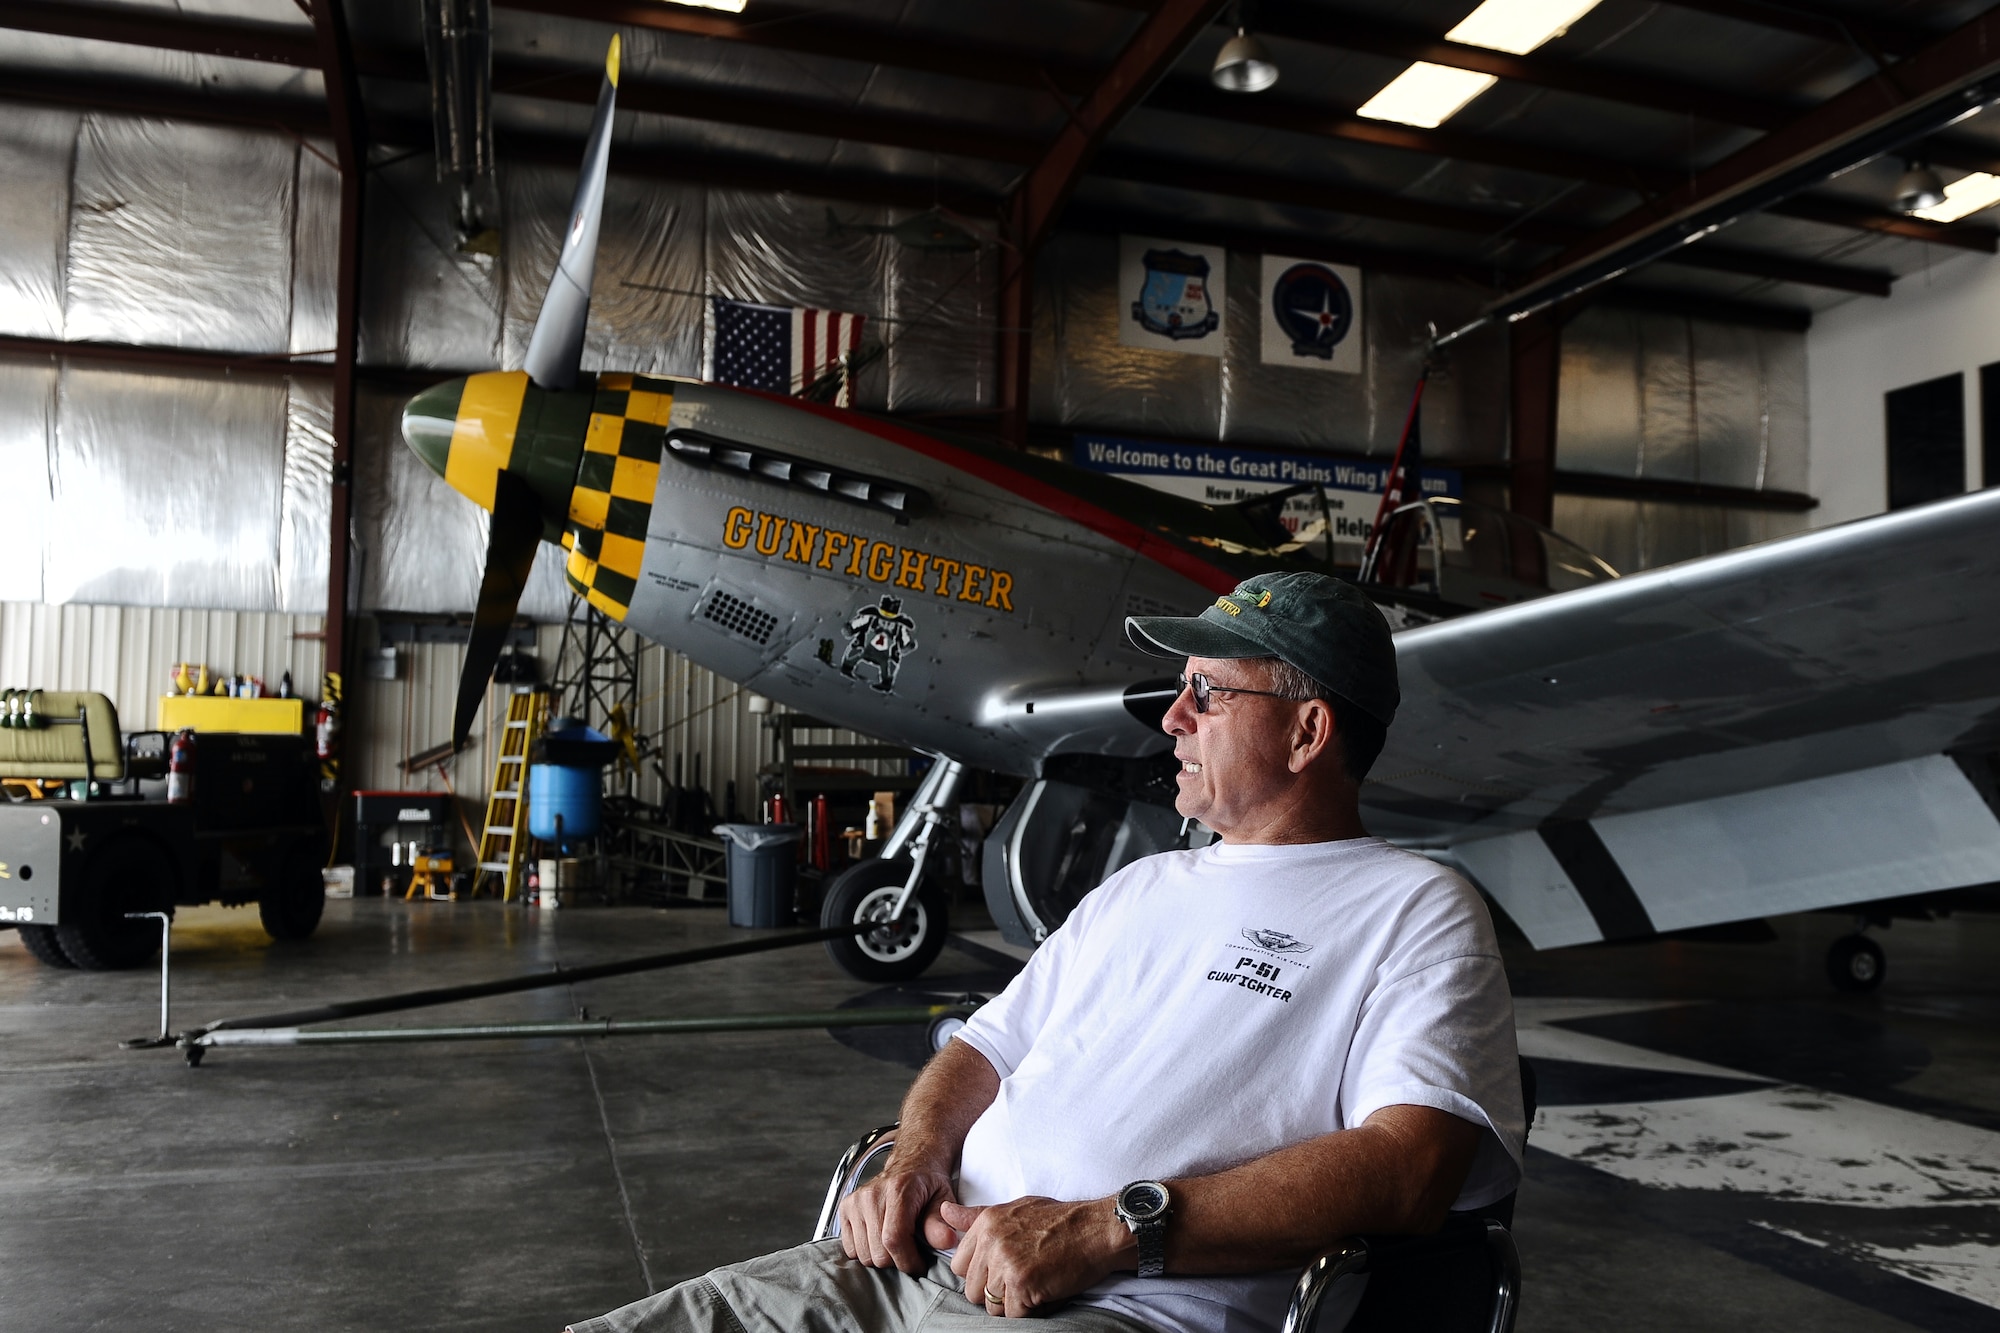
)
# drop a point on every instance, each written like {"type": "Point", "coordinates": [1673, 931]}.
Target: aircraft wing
{"type": "Point", "coordinates": [1805, 723]}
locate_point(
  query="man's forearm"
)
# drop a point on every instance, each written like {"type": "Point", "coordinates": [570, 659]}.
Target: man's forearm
{"type": "Point", "coordinates": [954, 1089]}
{"type": "Point", "coordinates": [1397, 1173]}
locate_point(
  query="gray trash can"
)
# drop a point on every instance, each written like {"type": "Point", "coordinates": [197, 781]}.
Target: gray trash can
{"type": "Point", "coordinates": [763, 869]}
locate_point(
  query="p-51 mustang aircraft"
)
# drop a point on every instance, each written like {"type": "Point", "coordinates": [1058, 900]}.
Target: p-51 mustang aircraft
{"type": "Point", "coordinates": [1805, 724]}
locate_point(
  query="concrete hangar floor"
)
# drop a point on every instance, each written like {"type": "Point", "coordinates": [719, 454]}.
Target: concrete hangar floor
{"type": "Point", "coordinates": [1724, 1142]}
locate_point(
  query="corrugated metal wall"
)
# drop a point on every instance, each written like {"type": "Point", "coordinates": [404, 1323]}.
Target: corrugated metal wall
{"type": "Point", "coordinates": [129, 652]}
{"type": "Point", "coordinates": [707, 733]}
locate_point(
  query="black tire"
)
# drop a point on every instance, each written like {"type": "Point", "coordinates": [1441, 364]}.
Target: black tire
{"type": "Point", "coordinates": [897, 952]}
{"type": "Point", "coordinates": [295, 896]}
{"type": "Point", "coordinates": [43, 944]}
{"type": "Point", "coordinates": [1855, 963]}
{"type": "Point", "coordinates": [131, 874]}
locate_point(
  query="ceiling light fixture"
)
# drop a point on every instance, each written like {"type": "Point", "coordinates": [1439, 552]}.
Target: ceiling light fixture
{"type": "Point", "coordinates": [1243, 65]}
{"type": "Point", "coordinates": [1518, 26]}
{"type": "Point", "coordinates": [1427, 95]}
{"type": "Point", "coordinates": [1962, 197]}
{"type": "Point", "coordinates": [1919, 187]}
{"type": "Point", "coordinates": [732, 6]}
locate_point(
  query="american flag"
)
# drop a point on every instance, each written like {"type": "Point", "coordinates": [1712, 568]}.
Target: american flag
{"type": "Point", "coordinates": [781, 348]}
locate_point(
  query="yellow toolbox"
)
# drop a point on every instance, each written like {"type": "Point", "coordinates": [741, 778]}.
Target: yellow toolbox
{"type": "Point", "coordinates": [213, 712]}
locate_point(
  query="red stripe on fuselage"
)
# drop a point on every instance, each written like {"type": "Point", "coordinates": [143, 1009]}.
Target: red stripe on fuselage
{"type": "Point", "coordinates": [1099, 520]}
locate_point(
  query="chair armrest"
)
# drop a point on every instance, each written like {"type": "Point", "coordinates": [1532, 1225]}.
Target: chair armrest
{"type": "Point", "coordinates": [848, 1174]}
{"type": "Point", "coordinates": [1507, 1267]}
{"type": "Point", "coordinates": [1303, 1312]}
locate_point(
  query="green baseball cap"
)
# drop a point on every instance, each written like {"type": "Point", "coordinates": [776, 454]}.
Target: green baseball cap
{"type": "Point", "coordinates": [1324, 626]}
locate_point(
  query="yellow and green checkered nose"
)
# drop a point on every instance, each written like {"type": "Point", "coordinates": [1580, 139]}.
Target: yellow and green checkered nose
{"type": "Point", "coordinates": [591, 455]}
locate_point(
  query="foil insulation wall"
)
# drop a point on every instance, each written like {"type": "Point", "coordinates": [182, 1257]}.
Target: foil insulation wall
{"type": "Point", "coordinates": [209, 490]}
{"type": "Point", "coordinates": [1084, 377]}
{"type": "Point", "coordinates": [1665, 397]}
{"type": "Point", "coordinates": [143, 485]}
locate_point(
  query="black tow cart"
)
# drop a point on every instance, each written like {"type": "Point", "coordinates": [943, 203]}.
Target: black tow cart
{"type": "Point", "coordinates": [89, 842]}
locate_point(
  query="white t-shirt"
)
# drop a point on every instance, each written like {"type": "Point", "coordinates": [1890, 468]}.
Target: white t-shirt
{"type": "Point", "coordinates": [1203, 1008]}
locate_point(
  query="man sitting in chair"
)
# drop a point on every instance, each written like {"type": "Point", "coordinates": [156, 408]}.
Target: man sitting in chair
{"type": "Point", "coordinates": [1226, 1062]}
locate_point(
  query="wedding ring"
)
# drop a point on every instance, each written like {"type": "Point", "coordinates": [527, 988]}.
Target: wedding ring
{"type": "Point", "coordinates": [995, 1298]}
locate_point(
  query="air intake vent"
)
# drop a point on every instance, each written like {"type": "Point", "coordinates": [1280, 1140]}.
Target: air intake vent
{"type": "Point", "coordinates": [739, 617]}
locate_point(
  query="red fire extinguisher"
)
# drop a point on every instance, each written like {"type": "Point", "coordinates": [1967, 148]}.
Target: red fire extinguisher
{"type": "Point", "coordinates": [180, 767]}
{"type": "Point", "coordinates": [817, 815]}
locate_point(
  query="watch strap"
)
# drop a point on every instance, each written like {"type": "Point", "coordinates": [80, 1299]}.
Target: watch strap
{"type": "Point", "coordinates": [1152, 1238]}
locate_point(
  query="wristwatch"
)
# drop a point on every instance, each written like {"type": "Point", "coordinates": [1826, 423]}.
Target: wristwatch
{"type": "Point", "coordinates": [1143, 1206]}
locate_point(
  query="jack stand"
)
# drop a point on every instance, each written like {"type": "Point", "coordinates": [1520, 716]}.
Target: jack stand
{"type": "Point", "coordinates": [166, 1037]}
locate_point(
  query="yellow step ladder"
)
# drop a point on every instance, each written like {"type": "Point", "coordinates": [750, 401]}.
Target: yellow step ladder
{"type": "Point", "coordinates": [503, 838]}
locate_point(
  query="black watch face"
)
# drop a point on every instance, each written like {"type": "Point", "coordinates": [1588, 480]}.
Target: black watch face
{"type": "Point", "coordinates": [1144, 1201]}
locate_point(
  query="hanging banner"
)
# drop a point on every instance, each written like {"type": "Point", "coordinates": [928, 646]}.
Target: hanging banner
{"type": "Point", "coordinates": [1220, 474]}
{"type": "Point", "coordinates": [1170, 295]}
{"type": "Point", "coordinates": [1311, 315]}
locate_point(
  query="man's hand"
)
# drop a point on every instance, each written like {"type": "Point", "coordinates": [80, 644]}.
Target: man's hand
{"type": "Point", "coordinates": [1034, 1251]}
{"type": "Point", "coordinates": [879, 1222]}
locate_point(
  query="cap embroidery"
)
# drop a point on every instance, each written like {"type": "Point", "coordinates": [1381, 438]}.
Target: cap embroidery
{"type": "Point", "coordinates": [1229, 606]}
{"type": "Point", "coordinates": [1264, 600]}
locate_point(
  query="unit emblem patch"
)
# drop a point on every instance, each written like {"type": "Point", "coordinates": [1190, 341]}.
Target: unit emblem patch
{"type": "Point", "coordinates": [877, 636]}
{"type": "Point", "coordinates": [1313, 307]}
{"type": "Point", "coordinates": [1175, 303]}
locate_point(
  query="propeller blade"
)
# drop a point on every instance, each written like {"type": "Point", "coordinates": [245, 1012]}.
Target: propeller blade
{"type": "Point", "coordinates": [510, 555]}
{"type": "Point", "coordinates": [555, 350]}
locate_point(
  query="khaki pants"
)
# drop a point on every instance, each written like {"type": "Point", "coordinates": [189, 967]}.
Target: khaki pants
{"type": "Point", "coordinates": [814, 1288]}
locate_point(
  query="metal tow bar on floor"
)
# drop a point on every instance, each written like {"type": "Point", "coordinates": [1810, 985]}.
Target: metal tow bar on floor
{"type": "Point", "coordinates": [596, 1027]}
{"type": "Point", "coordinates": [282, 1029]}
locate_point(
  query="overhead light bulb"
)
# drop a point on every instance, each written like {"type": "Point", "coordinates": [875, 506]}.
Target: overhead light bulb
{"type": "Point", "coordinates": [1243, 65]}
{"type": "Point", "coordinates": [1919, 188]}
{"type": "Point", "coordinates": [731, 6]}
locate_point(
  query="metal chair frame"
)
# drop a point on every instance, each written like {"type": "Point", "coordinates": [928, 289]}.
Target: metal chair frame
{"type": "Point", "coordinates": [1350, 1260]}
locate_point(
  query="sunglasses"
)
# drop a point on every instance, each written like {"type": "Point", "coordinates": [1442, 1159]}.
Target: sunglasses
{"type": "Point", "coordinates": [1204, 690]}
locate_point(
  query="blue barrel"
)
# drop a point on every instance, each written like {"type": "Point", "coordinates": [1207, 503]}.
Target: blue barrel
{"type": "Point", "coordinates": [575, 795]}
{"type": "Point", "coordinates": [563, 782]}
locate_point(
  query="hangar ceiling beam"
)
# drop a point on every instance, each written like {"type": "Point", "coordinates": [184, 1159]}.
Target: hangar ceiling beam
{"type": "Point", "coordinates": [165, 30]}
{"type": "Point", "coordinates": [167, 358]}
{"type": "Point", "coordinates": [812, 31]}
{"type": "Point", "coordinates": [1180, 175]}
{"type": "Point", "coordinates": [1195, 98]}
{"type": "Point", "coordinates": [293, 115]}
{"type": "Point", "coordinates": [1039, 196]}
{"type": "Point", "coordinates": [1913, 98]}
{"type": "Point", "coordinates": [1322, 26]}
{"type": "Point", "coordinates": [1885, 35]}
{"type": "Point", "coordinates": [275, 44]}
{"type": "Point", "coordinates": [1693, 305]}
{"type": "Point", "coordinates": [348, 119]}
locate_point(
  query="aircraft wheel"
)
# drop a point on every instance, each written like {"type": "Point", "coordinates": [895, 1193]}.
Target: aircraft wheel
{"type": "Point", "coordinates": [1855, 963]}
{"type": "Point", "coordinates": [43, 944]}
{"type": "Point", "coordinates": [295, 896]}
{"type": "Point", "coordinates": [126, 876]}
{"type": "Point", "coordinates": [899, 950]}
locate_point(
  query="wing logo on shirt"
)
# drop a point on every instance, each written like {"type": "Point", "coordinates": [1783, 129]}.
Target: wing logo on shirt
{"type": "Point", "coordinates": [1277, 941]}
